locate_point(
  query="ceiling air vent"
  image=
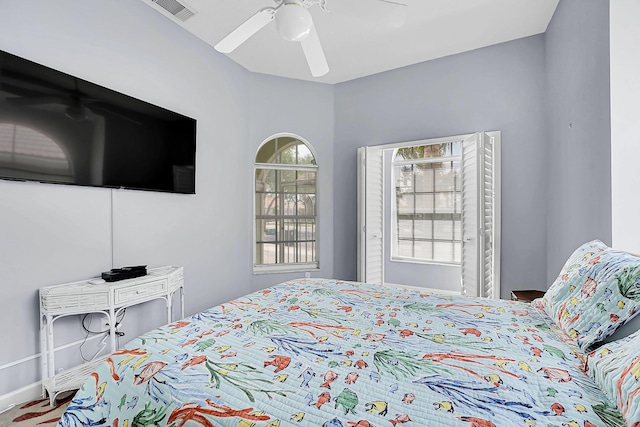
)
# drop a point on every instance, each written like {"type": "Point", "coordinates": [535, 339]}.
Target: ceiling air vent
{"type": "Point", "coordinates": [175, 8]}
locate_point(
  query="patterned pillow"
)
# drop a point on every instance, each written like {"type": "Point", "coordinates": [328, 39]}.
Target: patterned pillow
{"type": "Point", "coordinates": [572, 270]}
{"type": "Point", "coordinates": [597, 291]}
{"type": "Point", "coordinates": [615, 367]}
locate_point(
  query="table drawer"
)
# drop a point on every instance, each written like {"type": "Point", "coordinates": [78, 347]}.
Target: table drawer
{"type": "Point", "coordinates": [65, 303]}
{"type": "Point", "coordinates": [141, 290]}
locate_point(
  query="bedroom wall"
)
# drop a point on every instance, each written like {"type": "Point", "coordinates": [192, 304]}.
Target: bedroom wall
{"type": "Point", "coordinates": [54, 234]}
{"type": "Point", "coordinates": [499, 87]}
{"type": "Point", "coordinates": [579, 128]}
{"type": "Point", "coordinates": [625, 123]}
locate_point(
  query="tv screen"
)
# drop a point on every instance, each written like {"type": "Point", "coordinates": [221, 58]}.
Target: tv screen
{"type": "Point", "coordinates": [57, 128]}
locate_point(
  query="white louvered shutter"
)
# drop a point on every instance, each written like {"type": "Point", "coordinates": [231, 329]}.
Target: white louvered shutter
{"type": "Point", "coordinates": [481, 216]}
{"type": "Point", "coordinates": [370, 215]}
{"type": "Point", "coordinates": [470, 225]}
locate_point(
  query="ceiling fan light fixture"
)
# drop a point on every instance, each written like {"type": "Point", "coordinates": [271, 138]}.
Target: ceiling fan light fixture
{"type": "Point", "coordinates": [294, 22]}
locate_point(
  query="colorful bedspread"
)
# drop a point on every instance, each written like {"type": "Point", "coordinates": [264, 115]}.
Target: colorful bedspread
{"type": "Point", "coordinates": [318, 352]}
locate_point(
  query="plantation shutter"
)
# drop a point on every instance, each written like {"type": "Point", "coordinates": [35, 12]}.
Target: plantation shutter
{"type": "Point", "coordinates": [480, 216]}
{"type": "Point", "coordinates": [370, 215]}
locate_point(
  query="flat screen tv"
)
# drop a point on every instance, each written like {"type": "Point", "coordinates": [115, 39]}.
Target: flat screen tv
{"type": "Point", "coordinates": [57, 128]}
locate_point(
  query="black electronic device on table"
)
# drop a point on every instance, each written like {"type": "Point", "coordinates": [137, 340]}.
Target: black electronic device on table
{"type": "Point", "coordinates": [124, 273]}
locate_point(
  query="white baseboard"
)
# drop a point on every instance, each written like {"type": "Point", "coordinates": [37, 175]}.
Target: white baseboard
{"type": "Point", "coordinates": [20, 396]}
{"type": "Point", "coordinates": [420, 288]}
{"type": "Point", "coordinates": [31, 391]}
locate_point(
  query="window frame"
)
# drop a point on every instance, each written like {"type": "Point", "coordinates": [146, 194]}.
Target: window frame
{"type": "Point", "coordinates": [393, 240]}
{"type": "Point", "coordinates": [286, 267]}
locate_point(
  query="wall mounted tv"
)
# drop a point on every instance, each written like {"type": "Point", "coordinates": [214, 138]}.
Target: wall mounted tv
{"type": "Point", "coordinates": [57, 128]}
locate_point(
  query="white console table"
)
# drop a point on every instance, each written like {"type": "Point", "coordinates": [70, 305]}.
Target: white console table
{"type": "Point", "coordinates": [108, 298]}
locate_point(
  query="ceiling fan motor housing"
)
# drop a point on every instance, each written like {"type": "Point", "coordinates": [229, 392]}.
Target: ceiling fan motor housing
{"type": "Point", "coordinates": [294, 22]}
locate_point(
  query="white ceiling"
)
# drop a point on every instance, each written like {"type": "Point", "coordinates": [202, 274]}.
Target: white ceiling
{"type": "Point", "coordinates": [357, 47]}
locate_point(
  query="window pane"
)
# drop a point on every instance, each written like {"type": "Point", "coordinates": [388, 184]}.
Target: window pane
{"type": "Point", "coordinates": [405, 204]}
{"type": "Point", "coordinates": [423, 229]}
{"type": "Point", "coordinates": [443, 251]}
{"type": "Point", "coordinates": [288, 154]}
{"type": "Point", "coordinates": [307, 204]}
{"type": "Point", "coordinates": [404, 153]}
{"type": "Point", "coordinates": [287, 182]}
{"type": "Point", "coordinates": [423, 249]}
{"type": "Point", "coordinates": [404, 178]}
{"type": "Point", "coordinates": [445, 177]}
{"type": "Point", "coordinates": [285, 255]}
{"type": "Point", "coordinates": [443, 230]}
{"type": "Point", "coordinates": [267, 153]}
{"type": "Point", "coordinates": [424, 178]}
{"type": "Point", "coordinates": [306, 252]}
{"type": "Point", "coordinates": [405, 248]}
{"type": "Point", "coordinates": [434, 150]}
{"type": "Point", "coordinates": [266, 230]}
{"type": "Point", "coordinates": [288, 230]}
{"type": "Point", "coordinates": [306, 182]}
{"type": "Point", "coordinates": [457, 230]}
{"type": "Point", "coordinates": [265, 180]}
{"type": "Point", "coordinates": [266, 204]}
{"type": "Point", "coordinates": [306, 230]}
{"type": "Point", "coordinates": [456, 148]}
{"type": "Point", "coordinates": [424, 203]}
{"type": "Point", "coordinates": [457, 252]}
{"type": "Point", "coordinates": [266, 253]}
{"type": "Point", "coordinates": [444, 203]}
{"type": "Point", "coordinates": [304, 155]}
{"type": "Point", "coordinates": [405, 229]}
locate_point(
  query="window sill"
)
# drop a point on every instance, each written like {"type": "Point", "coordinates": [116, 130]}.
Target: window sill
{"type": "Point", "coordinates": [418, 261]}
{"type": "Point", "coordinates": [285, 268]}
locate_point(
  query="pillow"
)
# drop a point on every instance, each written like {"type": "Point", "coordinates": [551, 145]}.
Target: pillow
{"type": "Point", "coordinates": [572, 271]}
{"type": "Point", "coordinates": [615, 367]}
{"type": "Point", "coordinates": [597, 291]}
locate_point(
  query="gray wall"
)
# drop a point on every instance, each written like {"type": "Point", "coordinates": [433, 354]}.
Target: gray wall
{"type": "Point", "coordinates": [53, 234]}
{"type": "Point", "coordinates": [495, 88]}
{"type": "Point", "coordinates": [579, 129]}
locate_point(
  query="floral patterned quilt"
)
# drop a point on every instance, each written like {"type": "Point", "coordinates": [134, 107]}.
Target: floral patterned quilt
{"type": "Point", "coordinates": [318, 352]}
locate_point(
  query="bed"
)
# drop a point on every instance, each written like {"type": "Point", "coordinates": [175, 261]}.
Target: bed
{"type": "Point", "coordinates": [332, 353]}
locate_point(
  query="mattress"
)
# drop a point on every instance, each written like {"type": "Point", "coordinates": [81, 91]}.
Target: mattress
{"type": "Point", "coordinates": [330, 353]}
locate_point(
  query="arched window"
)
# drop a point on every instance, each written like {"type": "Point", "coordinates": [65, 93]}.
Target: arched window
{"type": "Point", "coordinates": [27, 153]}
{"type": "Point", "coordinates": [285, 205]}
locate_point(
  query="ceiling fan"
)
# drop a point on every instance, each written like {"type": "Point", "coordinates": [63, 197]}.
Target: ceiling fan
{"type": "Point", "coordinates": [295, 24]}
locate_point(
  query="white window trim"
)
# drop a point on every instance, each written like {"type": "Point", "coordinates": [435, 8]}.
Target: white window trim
{"type": "Point", "coordinates": [259, 269]}
{"type": "Point", "coordinates": [367, 267]}
{"type": "Point", "coordinates": [284, 268]}
{"type": "Point", "coordinates": [394, 212]}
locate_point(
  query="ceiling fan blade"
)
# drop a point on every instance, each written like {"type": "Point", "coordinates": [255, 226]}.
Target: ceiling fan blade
{"type": "Point", "coordinates": [96, 109]}
{"type": "Point", "coordinates": [388, 12]}
{"type": "Point", "coordinates": [314, 54]}
{"type": "Point", "coordinates": [246, 30]}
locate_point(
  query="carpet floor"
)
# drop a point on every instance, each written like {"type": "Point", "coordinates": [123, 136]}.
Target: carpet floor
{"type": "Point", "coordinates": [36, 413]}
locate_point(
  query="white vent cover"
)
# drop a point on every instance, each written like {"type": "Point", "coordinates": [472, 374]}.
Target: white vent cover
{"type": "Point", "coordinates": [175, 8]}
